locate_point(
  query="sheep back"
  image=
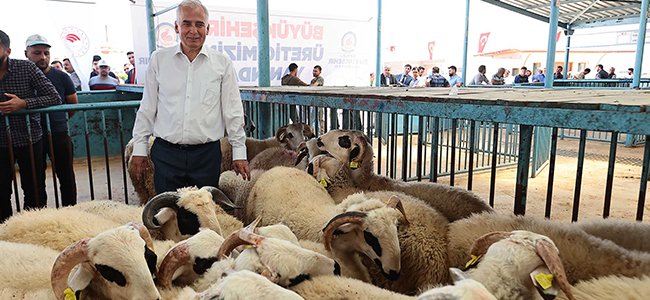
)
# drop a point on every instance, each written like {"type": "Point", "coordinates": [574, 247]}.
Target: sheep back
{"type": "Point", "coordinates": [611, 288]}
{"type": "Point", "coordinates": [627, 234]}
{"type": "Point", "coordinates": [25, 268]}
{"type": "Point", "coordinates": [112, 210]}
{"type": "Point", "coordinates": [335, 287]}
{"type": "Point", "coordinates": [273, 157]}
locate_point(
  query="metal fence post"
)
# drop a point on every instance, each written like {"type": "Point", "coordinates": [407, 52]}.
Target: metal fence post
{"type": "Point", "coordinates": [525, 141]}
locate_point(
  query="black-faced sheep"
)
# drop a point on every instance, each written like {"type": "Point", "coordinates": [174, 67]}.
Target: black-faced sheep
{"type": "Point", "coordinates": [288, 137]}
{"type": "Point", "coordinates": [354, 150]}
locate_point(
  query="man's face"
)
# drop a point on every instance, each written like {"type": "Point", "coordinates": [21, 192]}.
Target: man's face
{"type": "Point", "coordinates": [96, 66]}
{"type": "Point", "coordinates": [131, 59]}
{"type": "Point", "coordinates": [316, 72]}
{"type": "Point", "coordinates": [57, 66]}
{"type": "Point", "coordinates": [415, 72]}
{"type": "Point", "coordinates": [386, 72]}
{"type": "Point", "coordinates": [68, 66]}
{"type": "Point", "coordinates": [611, 70]}
{"type": "Point", "coordinates": [4, 53]}
{"type": "Point", "coordinates": [127, 68]}
{"type": "Point", "coordinates": [586, 72]}
{"type": "Point", "coordinates": [40, 55]}
{"type": "Point", "coordinates": [452, 72]}
{"type": "Point", "coordinates": [522, 72]}
{"type": "Point", "coordinates": [421, 72]}
{"type": "Point", "coordinates": [407, 69]}
{"type": "Point", "coordinates": [103, 71]}
{"type": "Point", "coordinates": [507, 73]}
{"type": "Point", "coordinates": [558, 70]}
{"type": "Point", "coordinates": [529, 72]}
{"type": "Point", "coordinates": [192, 27]}
{"type": "Point", "coordinates": [598, 68]}
{"type": "Point", "coordinates": [629, 72]}
{"type": "Point", "coordinates": [540, 71]}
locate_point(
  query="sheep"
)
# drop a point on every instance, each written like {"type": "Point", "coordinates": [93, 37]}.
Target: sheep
{"type": "Point", "coordinates": [611, 288]}
{"type": "Point", "coordinates": [288, 137]}
{"type": "Point", "coordinates": [266, 256]}
{"type": "Point", "coordinates": [330, 287]}
{"type": "Point", "coordinates": [357, 225]}
{"type": "Point", "coordinates": [584, 256]}
{"type": "Point", "coordinates": [353, 149]}
{"type": "Point", "coordinates": [273, 157]}
{"type": "Point", "coordinates": [627, 234]}
{"type": "Point", "coordinates": [26, 271]}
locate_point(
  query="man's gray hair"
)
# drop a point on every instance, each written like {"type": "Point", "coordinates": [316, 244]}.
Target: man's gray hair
{"type": "Point", "coordinates": [192, 4]}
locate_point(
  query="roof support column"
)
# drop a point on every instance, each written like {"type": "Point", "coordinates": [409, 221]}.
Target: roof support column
{"type": "Point", "coordinates": [151, 27]}
{"type": "Point", "coordinates": [264, 67]}
{"type": "Point", "coordinates": [552, 41]}
{"type": "Point", "coordinates": [465, 43]}
{"type": "Point", "coordinates": [378, 72]}
{"type": "Point", "coordinates": [640, 44]}
{"type": "Point", "coordinates": [568, 34]}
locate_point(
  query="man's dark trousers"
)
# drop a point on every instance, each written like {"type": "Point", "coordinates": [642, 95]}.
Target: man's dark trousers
{"type": "Point", "coordinates": [63, 164]}
{"type": "Point", "coordinates": [22, 155]}
{"type": "Point", "coordinates": [179, 166]}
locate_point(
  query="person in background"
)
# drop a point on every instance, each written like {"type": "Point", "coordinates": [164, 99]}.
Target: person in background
{"type": "Point", "coordinates": [318, 80]}
{"type": "Point", "coordinates": [437, 80]}
{"type": "Point", "coordinates": [454, 78]}
{"type": "Point", "coordinates": [405, 79]}
{"type": "Point", "coordinates": [480, 77]}
{"type": "Point", "coordinates": [529, 73]}
{"type": "Point", "coordinates": [127, 68]}
{"type": "Point", "coordinates": [38, 51]}
{"type": "Point", "coordinates": [522, 78]}
{"type": "Point", "coordinates": [57, 65]}
{"type": "Point", "coordinates": [630, 73]}
{"type": "Point", "coordinates": [67, 65]}
{"type": "Point", "coordinates": [539, 77]}
{"type": "Point", "coordinates": [416, 76]}
{"type": "Point", "coordinates": [292, 78]}
{"type": "Point", "coordinates": [23, 86]}
{"type": "Point", "coordinates": [372, 78]}
{"type": "Point", "coordinates": [103, 81]}
{"type": "Point", "coordinates": [558, 73]}
{"type": "Point", "coordinates": [581, 75]}
{"type": "Point", "coordinates": [388, 79]}
{"type": "Point", "coordinates": [131, 73]}
{"type": "Point", "coordinates": [95, 72]}
{"type": "Point", "coordinates": [601, 73]}
{"type": "Point", "coordinates": [612, 73]}
{"type": "Point", "coordinates": [498, 78]}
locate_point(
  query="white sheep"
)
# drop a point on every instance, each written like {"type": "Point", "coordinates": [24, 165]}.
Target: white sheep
{"type": "Point", "coordinates": [357, 225]}
{"type": "Point", "coordinates": [630, 235]}
{"type": "Point", "coordinates": [354, 150]}
{"type": "Point", "coordinates": [26, 271]}
{"type": "Point", "coordinates": [288, 137]}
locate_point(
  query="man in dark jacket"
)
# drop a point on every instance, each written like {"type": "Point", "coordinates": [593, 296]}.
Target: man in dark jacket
{"type": "Point", "coordinates": [292, 78]}
{"type": "Point", "coordinates": [388, 79]}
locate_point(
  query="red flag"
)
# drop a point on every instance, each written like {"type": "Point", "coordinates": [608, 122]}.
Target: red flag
{"type": "Point", "coordinates": [558, 36]}
{"type": "Point", "coordinates": [392, 48]}
{"type": "Point", "coordinates": [431, 45]}
{"type": "Point", "coordinates": [482, 41]}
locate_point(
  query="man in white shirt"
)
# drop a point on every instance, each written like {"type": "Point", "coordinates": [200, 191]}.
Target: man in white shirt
{"type": "Point", "coordinates": [190, 96]}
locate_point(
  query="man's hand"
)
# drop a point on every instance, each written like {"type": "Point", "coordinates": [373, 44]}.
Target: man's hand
{"type": "Point", "coordinates": [13, 104]}
{"type": "Point", "coordinates": [139, 165]}
{"type": "Point", "coordinates": [241, 167]}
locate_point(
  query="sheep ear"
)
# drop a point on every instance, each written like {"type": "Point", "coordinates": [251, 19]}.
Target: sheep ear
{"type": "Point", "coordinates": [546, 285]}
{"type": "Point", "coordinates": [457, 274]}
{"type": "Point", "coordinates": [280, 135]}
{"type": "Point", "coordinates": [82, 277]}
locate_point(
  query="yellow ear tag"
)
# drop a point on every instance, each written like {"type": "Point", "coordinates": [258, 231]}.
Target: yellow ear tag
{"type": "Point", "coordinates": [151, 249]}
{"type": "Point", "coordinates": [69, 294]}
{"type": "Point", "coordinates": [247, 246]}
{"type": "Point", "coordinates": [282, 136]}
{"type": "Point", "coordinates": [544, 280]}
{"type": "Point", "coordinates": [354, 165]}
{"type": "Point", "coordinates": [473, 261]}
{"type": "Point", "coordinates": [325, 182]}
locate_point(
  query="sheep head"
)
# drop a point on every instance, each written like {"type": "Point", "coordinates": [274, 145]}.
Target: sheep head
{"type": "Point", "coordinates": [267, 255]}
{"type": "Point", "coordinates": [533, 253]}
{"type": "Point", "coordinates": [181, 213]}
{"type": "Point", "coordinates": [464, 288]}
{"type": "Point", "coordinates": [328, 171]}
{"type": "Point", "coordinates": [119, 263]}
{"type": "Point", "coordinates": [351, 147]}
{"type": "Point", "coordinates": [369, 227]}
{"type": "Point", "coordinates": [291, 136]}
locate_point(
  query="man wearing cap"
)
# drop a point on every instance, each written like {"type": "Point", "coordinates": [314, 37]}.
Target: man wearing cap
{"type": "Point", "coordinates": [95, 72]}
{"type": "Point", "coordinates": [190, 98]}
{"type": "Point", "coordinates": [22, 86]}
{"type": "Point", "coordinates": [103, 81]}
{"type": "Point", "coordinates": [38, 51]}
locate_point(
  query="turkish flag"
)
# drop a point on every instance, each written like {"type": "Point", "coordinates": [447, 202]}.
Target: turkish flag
{"type": "Point", "coordinates": [482, 41]}
{"type": "Point", "coordinates": [558, 36]}
{"type": "Point", "coordinates": [392, 48]}
{"type": "Point", "coordinates": [431, 45]}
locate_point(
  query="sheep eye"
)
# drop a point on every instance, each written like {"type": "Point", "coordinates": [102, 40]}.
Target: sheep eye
{"type": "Point", "coordinates": [111, 274]}
{"type": "Point", "coordinates": [290, 135]}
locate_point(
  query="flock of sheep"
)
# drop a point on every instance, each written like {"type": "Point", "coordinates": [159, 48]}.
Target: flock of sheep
{"type": "Point", "coordinates": [314, 222]}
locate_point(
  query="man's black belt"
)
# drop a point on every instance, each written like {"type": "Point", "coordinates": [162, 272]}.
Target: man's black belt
{"type": "Point", "coordinates": [182, 146]}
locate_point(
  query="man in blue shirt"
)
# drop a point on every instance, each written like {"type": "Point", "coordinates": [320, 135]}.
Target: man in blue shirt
{"type": "Point", "coordinates": [522, 78]}
{"type": "Point", "coordinates": [454, 79]}
{"type": "Point", "coordinates": [38, 51]}
{"type": "Point", "coordinates": [539, 77]}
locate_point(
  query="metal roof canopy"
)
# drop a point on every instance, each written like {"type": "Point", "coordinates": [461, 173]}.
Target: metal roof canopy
{"type": "Point", "coordinates": [575, 14]}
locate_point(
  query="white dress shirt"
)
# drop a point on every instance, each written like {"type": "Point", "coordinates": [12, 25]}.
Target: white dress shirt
{"type": "Point", "coordinates": [190, 102]}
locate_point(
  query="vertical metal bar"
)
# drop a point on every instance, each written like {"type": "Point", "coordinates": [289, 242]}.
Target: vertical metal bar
{"type": "Point", "coordinates": [151, 27]}
{"type": "Point", "coordinates": [448, 125]}
{"type": "Point", "coordinates": [410, 147]}
{"type": "Point", "coordinates": [108, 164]}
{"type": "Point", "coordinates": [644, 176]}
{"type": "Point", "coordinates": [640, 44]}
{"type": "Point", "coordinates": [568, 32]}
{"type": "Point", "coordinates": [493, 175]}
{"type": "Point", "coordinates": [434, 150]}
{"type": "Point", "coordinates": [120, 129]}
{"type": "Point", "coordinates": [466, 32]}
{"type": "Point", "coordinates": [33, 161]}
{"type": "Point", "coordinates": [378, 129]}
{"type": "Point", "coordinates": [581, 160]}
{"type": "Point", "coordinates": [551, 174]}
{"type": "Point", "coordinates": [521, 190]}
{"type": "Point", "coordinates": [264, 66]}
{"type": "Point", "coordinates": [421, 137]}
{"type": "Point", "coordinates": [378, 69]}
{"type": "Point", "coordinates": [346, 119]}
{"type": "Point", "coordinates": [472, 141]}
{"type": "Point", "coordinates": [454, 124]}
{"type": "Point", "coordinates": [12, 161]}
{"type": "Point", "coordinates": [405, 139]}
{"type": "Point", "coordinates": [389, 148]}
{"type": "Point", "coordinates": [90, 168]}
{"type": "Point", "coordinates": [610, 174]}
{"type": "Point", "coordinates": [393, 146]}
{"type": "Point", "coordinates": [550, 52]}
{"type": "Point", "coordinates": [52, 160]}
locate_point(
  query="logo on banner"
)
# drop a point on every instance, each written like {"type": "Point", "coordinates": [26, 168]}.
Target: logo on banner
{"type": "Point", "coordinates": [482, 41]}
{"type": "Point", "coordinates": [349, 42]}
{"type": "Point", "coordinates": [75, 40]}
{"type": "Point", "coordinates": [430, 47]}
{"type": "Point", "coordinates": [166, 35]}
